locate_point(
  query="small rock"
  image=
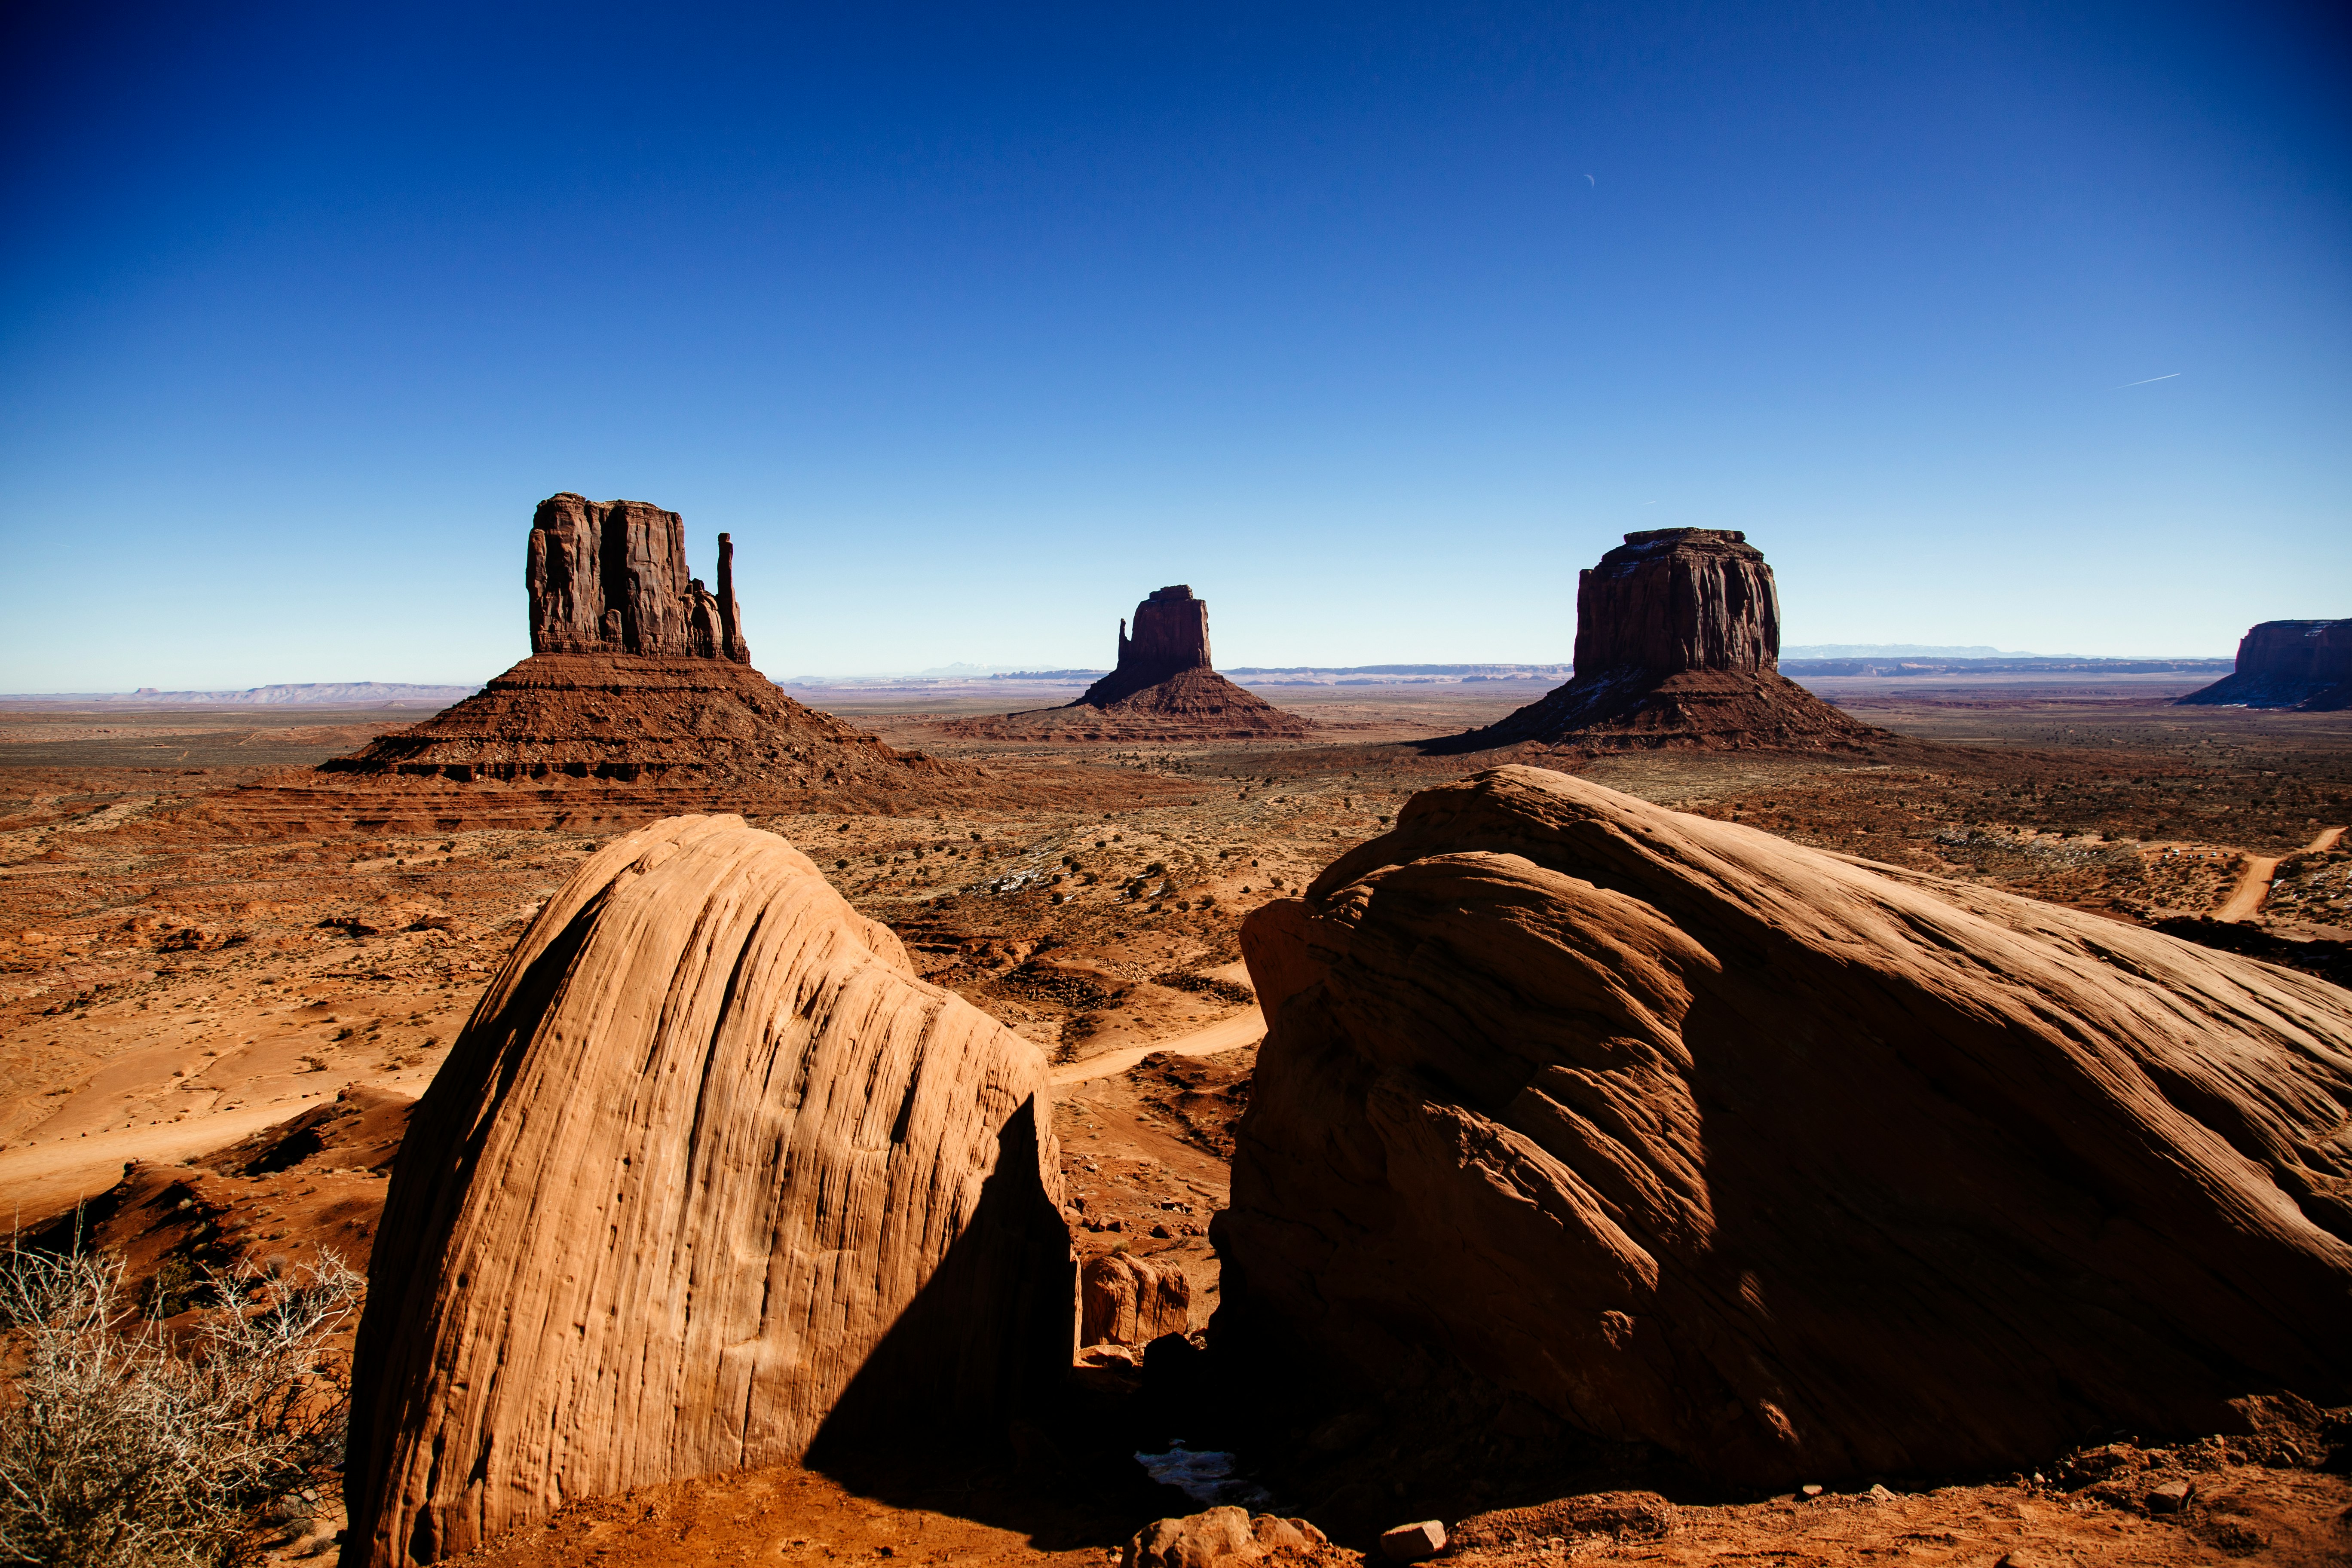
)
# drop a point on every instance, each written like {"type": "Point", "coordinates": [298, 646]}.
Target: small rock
{"type": "Point", "coordinates": [2170, 1497]}
{"type": "Point", "coordinates": [1811, 1488]}
{"type": "Point", "coordinates": [1879, 1496]}
{"type": "Point", "coordinates": [1272, 1533]}
{"type": "Point", "coordinates": [1196, 1541]}
{"type": "Point", "coordinates": [1413, 1542]}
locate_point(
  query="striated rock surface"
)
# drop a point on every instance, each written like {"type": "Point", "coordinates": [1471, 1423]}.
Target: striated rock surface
{"type": "Point", "coordinates": [630, 719]}
{"type": "Point", "coordinates": [1124, 1299]}
{"type": "Point", "coordinates": [1162, 689]}
{"type": "Point", "coordinates": [611, 577]}
{"type": "Point", "coordinates": [710, 1175]}
{"type": "Point", "coordinates": [1795, 1167]}
{"type": "Point", "coordinates": [2305, 665]}
{"type": "Point", "coordinates": [1677, 645]}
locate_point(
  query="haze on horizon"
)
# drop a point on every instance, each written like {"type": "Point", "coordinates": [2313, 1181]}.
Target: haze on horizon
{"type": "Point", "coordinates": [2015, 325]}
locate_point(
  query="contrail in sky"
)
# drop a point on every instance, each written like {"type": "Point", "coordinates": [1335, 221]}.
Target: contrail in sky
{"type": "Point", "coordinates": [2166, 377]}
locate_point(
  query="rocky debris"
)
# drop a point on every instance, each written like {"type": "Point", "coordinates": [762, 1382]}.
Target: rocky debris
{"type": "Point", "coordinates": [1162, 689]}
{"type": "Point", "coordinates": [611, 577]}
{"type": "Point", "coordinates": [1677, 645]}
{"type": "Point", "coordinates": [1124, 1299]}
{"type": "Point", "coordinates": [1217, 1535]}
{"type": "Point", "coordinates": [2304, 664]}
{"type": "Point", "coordinates": [622, 719]}
{"type": "Point", "coordinates": [710, 1175]}
{"type": "Point", "coordinates": [1623, 1515]}
{"type": "Point", "coordinates": [1795, 1167]}
{"type": "Point", "coordinates": [1413, 1542]}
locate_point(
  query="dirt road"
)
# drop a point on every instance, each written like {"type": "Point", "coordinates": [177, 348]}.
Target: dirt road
{"type": "Point", "coordinates": [1244, 1028]}
{"type": "Point", "coordinates": [2255, 885]}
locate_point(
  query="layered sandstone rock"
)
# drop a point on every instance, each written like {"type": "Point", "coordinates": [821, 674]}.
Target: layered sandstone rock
{"type": "Point", "coordinates": [1796, 1166]}
{"type": "Point", "coordinates": [1677, 645]}
{"type": "Point", "coordinates": [710, 1174]}
{"type": "Point", "coordinates": [637, 675]}
{"type": "Point", "coordinates": [1164, 688]}
{"type": "Point", "coordinates": [1124, 1299]}
{"type": "Point", "coordinates": [611, 577]}
{"type": "Point", "coordinates": [2305, 665]}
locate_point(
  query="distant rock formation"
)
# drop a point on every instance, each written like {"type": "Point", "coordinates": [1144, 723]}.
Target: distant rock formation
{"type": "Point", "coordinates": [2304, 664]}
{"type": "Point", "coordinates": [1162, 689]}
{"type": "Point", "coordinates": [1797, 1167]}
{"type": "Point", "coordinates": [1171, 636]}
{"type": "Point", "coordinates": [637, 675]}
{"type": "Point", "coordinates": [610, 577]}
{"type": "Point", "coordinates": [1677, 645]}
{"type": "Point", "coordinates": [710, 1175]}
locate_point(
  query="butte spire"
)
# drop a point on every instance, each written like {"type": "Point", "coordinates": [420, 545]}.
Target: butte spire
{"type": "Point", "coordinates": [639, 674]}
{"type": "Point", "coordinates": [1677, 645]}
{"type": "Point", "coordinates": [1162, 689]}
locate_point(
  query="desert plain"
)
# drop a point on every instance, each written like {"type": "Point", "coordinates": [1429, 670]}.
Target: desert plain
{"type": "Point", "coordinates": [215, 1009]}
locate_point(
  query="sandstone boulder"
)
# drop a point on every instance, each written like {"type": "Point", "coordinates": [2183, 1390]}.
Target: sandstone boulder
{"type": "Point", "coordinates": [2305, 665]}
{"type": "Point", "coordinates": [1677, 645]}
{"type": "Point", "coordinates": [1124, 1299]}
{"type": "Point", "coordinates": [710, 1175]}
{"type": "Point", "coordinates": [1227, 1535]}
{"type": "Point", "coordinates": [1795, 1167]}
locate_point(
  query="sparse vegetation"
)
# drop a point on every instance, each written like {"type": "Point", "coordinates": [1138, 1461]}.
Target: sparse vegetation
{"type": "Point", "coordinates": [126, 1445]}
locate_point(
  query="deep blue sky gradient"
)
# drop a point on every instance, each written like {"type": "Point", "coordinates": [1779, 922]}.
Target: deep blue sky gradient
{"type": "Point", "coordinates": [973, 325]}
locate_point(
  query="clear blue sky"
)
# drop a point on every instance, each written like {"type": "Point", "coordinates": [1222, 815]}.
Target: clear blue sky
{"type": "Point", "coordinates": [974, 324]}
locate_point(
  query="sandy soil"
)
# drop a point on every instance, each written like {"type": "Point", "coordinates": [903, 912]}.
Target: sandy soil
{"type": "Point", "coordinates": [177, 984]}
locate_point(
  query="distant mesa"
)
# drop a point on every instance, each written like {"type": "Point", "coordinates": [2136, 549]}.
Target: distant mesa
{"type": "Point", "coordinates": [1162, 689]}
{"type": "Point", "coordinates": [710, 1177]}
{"type": "Point", "coordinates": [2302, 665]}
{"type": "Point", "coordinates": [639, 674]}
{"type": "Point", "coordinates": [1677, 645]}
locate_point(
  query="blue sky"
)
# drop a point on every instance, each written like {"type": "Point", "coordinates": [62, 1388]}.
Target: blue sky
{"type": "Point", "coordinates": [974, 324]}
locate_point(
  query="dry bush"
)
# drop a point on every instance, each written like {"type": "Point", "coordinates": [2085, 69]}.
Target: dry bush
{"type": "Point", "coordinates": [121, 1446]}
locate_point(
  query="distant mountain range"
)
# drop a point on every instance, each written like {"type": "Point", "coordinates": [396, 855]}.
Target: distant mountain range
{"type": "Point", "coordinates": [326, 694]}
{"type": "Point", "coordinates": [1906, 650]}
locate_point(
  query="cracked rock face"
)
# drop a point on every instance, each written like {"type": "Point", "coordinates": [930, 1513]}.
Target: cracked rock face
{"type": "Point", "coordinates": [611, 577]}
{"type": "Point", "coordinates": [1792, 1165]}
{"type": "Point", "coordinates": [2305, 665]}
{"type": "Point", "coordinates": [1676, 599]}
{"type": "Point", "coordinates": [710, 1176]}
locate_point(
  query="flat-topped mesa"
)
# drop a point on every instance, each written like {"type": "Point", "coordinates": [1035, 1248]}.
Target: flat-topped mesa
{"type": "Point", "coordinates": [2304, 664]}
{"type": "Point", "coordinates": [1677, 645]}
{"type": "Point", "coordinates": [1678, 598]}
{"type": "Point", "coordinates": [611, 577]}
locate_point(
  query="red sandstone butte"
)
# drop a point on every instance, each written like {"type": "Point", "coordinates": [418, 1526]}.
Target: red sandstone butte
{"type": "Point", "coordinates": [1677, 645]}
{"type": "Point", "coordinates": [1162, 689]}
{"type": "Point", "coordinates": [2302, 665]}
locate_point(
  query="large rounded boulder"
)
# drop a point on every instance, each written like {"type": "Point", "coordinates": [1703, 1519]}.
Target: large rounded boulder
{"type": "Point", "coordinates": [710, 1175]}
{"type": "Point", "coordinates": [1792, 1165]}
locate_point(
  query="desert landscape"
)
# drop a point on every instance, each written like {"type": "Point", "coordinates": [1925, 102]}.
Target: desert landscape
{"type": "Point", "coordinates": [1693, 1116]}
